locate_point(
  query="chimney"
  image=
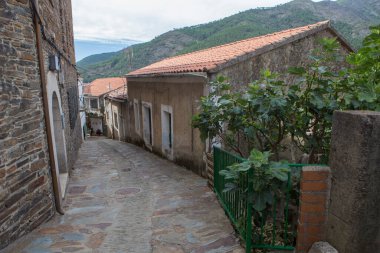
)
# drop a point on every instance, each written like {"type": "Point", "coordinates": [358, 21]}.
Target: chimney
{"type": "Point", "coordinates": [109, 86]}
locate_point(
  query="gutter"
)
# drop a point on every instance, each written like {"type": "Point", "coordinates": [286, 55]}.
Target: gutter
{"type": "Point", "coordinates": [36, 21]}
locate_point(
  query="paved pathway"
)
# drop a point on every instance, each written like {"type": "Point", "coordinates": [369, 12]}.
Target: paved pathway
{"type": "Point", "coordinates": [123, 199]}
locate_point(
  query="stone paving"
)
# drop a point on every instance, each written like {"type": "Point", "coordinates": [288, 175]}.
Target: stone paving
{"type": "Point", "coordinates": [121, 198]}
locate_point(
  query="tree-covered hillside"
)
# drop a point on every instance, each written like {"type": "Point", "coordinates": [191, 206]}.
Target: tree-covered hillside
{"type": "Point", "coordinates": [350, 17]}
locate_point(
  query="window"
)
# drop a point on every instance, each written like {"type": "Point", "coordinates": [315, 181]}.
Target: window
{"type": "Point", "coordinates": [72, 100]}
{"type": "Point", "coordinates": [147, 123]}
{"type": "Point", "coordinates": [137, 115]}
{"type": "Point", "coordinates": [167, 130]}
{"type": "Point", "coordinates": [115, 120]}
{"type": "Point", "coordinates": [94, 103]}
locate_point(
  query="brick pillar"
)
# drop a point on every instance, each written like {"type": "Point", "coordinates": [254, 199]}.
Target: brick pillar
{"type": "Point", "coordinates": [315, 191]}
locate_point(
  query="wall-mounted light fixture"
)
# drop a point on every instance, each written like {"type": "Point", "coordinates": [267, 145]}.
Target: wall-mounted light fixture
{"type": "Point", "coordinates": [54, 64]}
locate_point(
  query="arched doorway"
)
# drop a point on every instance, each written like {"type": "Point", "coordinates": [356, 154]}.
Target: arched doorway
{"type": "Point", "coordinates": [59, 143]}
{"type": "Point", "coordinates": [60, 167]}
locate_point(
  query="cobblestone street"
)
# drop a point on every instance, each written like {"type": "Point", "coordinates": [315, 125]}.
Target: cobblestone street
{"type": "Point", "coordinates": [121, 198]}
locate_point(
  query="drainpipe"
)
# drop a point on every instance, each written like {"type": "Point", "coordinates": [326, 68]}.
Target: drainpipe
{"type": "Point", "coordinates": [46, 109]}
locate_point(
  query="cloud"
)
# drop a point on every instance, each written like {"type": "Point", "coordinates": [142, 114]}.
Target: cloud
{"type": "Point", "coordinates": [142, 20]}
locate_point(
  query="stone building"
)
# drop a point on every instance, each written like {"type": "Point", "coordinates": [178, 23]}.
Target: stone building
{"type": "Point", "coordinates": [116, 114]}
{"type": "Point", "coordinates": [40, 130]}
{"type": "Point", "coordinates": [82, 113]}
{"type": "Point", "coordinates": [93, 95]}
{"type": "Point", "coordinates": [163, 96]}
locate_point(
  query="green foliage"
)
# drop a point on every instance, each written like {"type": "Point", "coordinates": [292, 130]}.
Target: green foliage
{"type": "Point", "coordinates": [317, 92]}
{"type": "Point", "coordinates": [258, 114]}
{"type": "Point", "coordinates": [96, 58]}
{"type": "Point", "coordinates": [364, 79]}
{"type": "Point", "coordinates": [269, 178]}
{"type": "Point", "coordinates": [302, 109]}
{"type": "Point", "coordinates": [267, 111]}
{"type": "Point", "coordinates": [329, 83]}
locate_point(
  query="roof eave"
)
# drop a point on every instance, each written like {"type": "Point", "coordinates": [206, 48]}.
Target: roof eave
{"type": "Point", "coordinates": [106, 93]}
{"type": "Point", "coordinates": [342, 40]}
{"type": "Point", "coordinates": [174, 74]}
{"type": "Point", "coordinates": [90, 95]}
{"type": "Point", "coordinates": [118, 99]}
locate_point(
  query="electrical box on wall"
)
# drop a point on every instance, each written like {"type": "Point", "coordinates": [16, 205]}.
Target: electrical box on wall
{"type": "Point", "coordinates": [54, 64]}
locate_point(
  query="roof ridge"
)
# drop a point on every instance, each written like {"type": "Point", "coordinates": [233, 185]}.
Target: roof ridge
{"type": "Point", "coordinates": [318, 24]}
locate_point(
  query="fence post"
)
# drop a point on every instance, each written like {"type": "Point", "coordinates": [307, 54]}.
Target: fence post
{"type": "Point", "coordinates": [248, 239]}
{"type": "Point", "coordinates": [314, 197]}
{"type": "Point", "coordinates": [216, 168]}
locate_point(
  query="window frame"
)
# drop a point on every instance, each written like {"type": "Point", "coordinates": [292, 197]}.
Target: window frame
{"type": "Point", "coordinates": [136, 112]}
{"type": "Point", "coordinates": [97, 103]}
{"type": "Point", "coordinates": [167, 150]}
{"type": "Point", "coordinates": [146, 105]}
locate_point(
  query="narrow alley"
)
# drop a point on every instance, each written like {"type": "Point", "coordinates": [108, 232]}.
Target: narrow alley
{"type": "Point", "coordinates": [123, 199]}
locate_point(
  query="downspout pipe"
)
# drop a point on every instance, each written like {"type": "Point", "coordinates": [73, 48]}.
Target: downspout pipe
{"type": "Point", "coordinates": [37, 26]}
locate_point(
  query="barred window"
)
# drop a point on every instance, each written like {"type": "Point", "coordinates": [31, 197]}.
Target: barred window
{"type": "Point", "coordinates": [94, 103]}
{"type": "Point", "coordinates": [73, 102]}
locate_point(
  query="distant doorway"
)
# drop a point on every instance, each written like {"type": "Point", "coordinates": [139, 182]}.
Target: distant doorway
{"type": "Point", "coordinates": [167, 130]}
{"type": "Point", "coordinates": [147, 124]}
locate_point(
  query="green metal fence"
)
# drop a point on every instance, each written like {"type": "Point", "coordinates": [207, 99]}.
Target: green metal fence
{"type": "Point", "coordinates": [273, 229]}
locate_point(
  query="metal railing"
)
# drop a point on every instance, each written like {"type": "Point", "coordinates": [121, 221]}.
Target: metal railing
{"type": "Point", "coordinates": [274, 228]}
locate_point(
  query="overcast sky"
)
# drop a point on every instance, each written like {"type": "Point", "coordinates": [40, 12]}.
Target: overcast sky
{"type": "Point", "coordinates": [142, 20]}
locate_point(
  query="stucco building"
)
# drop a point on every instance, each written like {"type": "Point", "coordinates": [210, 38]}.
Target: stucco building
{"type": "Point", "coordinates": [116, 114]}
{"type": "Point", "coordinates": [40, 130]}
{"type": "Point", "coordinates": [82, 113]}
{"type": "Point", "coordinates": [93, 95]}
{"type": "Point", "coordinates": [163, 96]}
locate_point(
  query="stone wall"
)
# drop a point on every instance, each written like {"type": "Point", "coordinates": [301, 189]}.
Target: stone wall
{"type": "Point", "coordinates": [277, 60]}
{"type": "Point", "coordinates": [26, 193]}
{"type": "Point", "coordinates": [353, 221]}
{"type": "Point", "coordinates": [57, 17]}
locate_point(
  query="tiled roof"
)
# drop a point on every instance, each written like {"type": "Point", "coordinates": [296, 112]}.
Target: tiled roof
{"type": "Point", "coordinates": [101, 86]}
{"type": "Point", "coordinates": [119, 93]}
{"type": "Point", "coordinates": [208, 60]}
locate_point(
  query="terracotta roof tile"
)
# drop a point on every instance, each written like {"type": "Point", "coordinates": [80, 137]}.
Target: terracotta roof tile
{"type": "Point", "coordinates": [101, 86]}
{"type": "Point", "coordinates": [119, 93]}
{"type": "Point", "coordinates": [209, 59]}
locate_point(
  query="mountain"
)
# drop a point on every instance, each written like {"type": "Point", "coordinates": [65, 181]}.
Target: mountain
{"type": "Point", "coordinates": [350, 17]}
{"type": "Point", "coordinates": [86, 47]}
{"type": "Point", "coordinates": [95, 58]}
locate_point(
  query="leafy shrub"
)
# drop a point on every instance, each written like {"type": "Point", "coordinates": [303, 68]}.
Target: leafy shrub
{"type": "Point", "coordinates": [268, 110]}
{"type": "Point", "coordinates": [269, 178]}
